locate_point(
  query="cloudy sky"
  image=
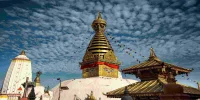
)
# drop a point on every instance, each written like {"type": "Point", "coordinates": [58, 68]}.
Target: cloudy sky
{"type": "Point", "coordinates": [55, 33]}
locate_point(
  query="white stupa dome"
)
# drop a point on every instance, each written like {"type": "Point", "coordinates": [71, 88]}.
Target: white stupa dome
{"type": "Point", "coordinates": [83, 86]}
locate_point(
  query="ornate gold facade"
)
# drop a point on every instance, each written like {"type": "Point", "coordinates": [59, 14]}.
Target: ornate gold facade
{"type": "Point", "coordinates": [100, 70]}
{"type": "Point", "coordinates": [99, 50]}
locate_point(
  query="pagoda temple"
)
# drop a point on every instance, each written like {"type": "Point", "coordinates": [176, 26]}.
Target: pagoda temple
{"type": "Point", "coordinates": [157, 82]}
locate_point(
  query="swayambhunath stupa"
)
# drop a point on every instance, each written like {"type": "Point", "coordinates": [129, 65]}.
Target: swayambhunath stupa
{"type": "Point", "coordinates": [100, 70]}
{"type": "Point", "coordinates": [101, 78]}
{"type": "Point", "coordinates": [99, 50]}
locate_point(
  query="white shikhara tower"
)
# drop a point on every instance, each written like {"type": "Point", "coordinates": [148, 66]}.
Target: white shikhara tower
{"type": "Point", "coordinates": [19, 69]}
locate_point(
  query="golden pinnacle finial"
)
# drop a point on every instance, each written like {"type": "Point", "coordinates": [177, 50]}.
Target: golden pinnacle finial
{"type": "Point", "coordinates": [99, 15]}
{"type": "Point", "coordinates": [37, 79]}
{"type": "Point", "coordinates": [153, 55]}
{"type": "Point", "coordinates": [23, 53]}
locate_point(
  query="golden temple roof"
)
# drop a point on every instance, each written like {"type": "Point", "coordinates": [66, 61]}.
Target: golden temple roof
{"type": "Point", "coordinates": [99, 48]}
{"type": "Point", "coordinates": [154, 62]}
{"type": "Point", "coordinates": [149, 88]}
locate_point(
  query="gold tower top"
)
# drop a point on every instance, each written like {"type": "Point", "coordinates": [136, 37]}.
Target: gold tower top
{"type": "Point", "coordinates": [23, 53]}
{"type": "Point", "coordinates": [99, 48]}
{"type": "Point", "coordinates": [153, 55]}
{"type": "Point", "coordinates": [98, 22]}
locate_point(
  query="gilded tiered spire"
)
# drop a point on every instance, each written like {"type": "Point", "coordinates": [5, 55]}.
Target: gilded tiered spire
{"type": "Point", "coordinates": [99, 59]}
{"type": "Point", "coordinates": [99, 47]}
{"type": "Point", "coordinates": [153, 55]}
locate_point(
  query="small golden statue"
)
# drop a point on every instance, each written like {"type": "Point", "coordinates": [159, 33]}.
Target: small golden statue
{"type": "Point", "coordinates": [91, 96]}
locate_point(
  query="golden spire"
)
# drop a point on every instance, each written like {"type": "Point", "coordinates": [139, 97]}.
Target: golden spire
{"type": "Point", "coordinates": [153, 55]}
{"type": "Point", "coordinates": [198, 83]}
{"type": "Point", "coordinates": [99, 58]}
{"type": "Point", "coordinates": [37, 79]}
{"type": "Point", "coordinates": [23, 53]}
{"type": "Point", "coordinates": [99, 47]}
{"type": "Point", "coordinates": [99, 16]}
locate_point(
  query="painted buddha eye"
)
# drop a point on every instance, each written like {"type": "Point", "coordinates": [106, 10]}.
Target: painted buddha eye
{"type": "Point", "coordinates": [102, 25]}
{"type": "Point", "coordinates": [86, 70]}
{"type": "Point", "coordinates": [111, 70]}
{"type": "Point", "coordinates": [105, 69]}
{"type": "Point", "coordinates": [96, 26]}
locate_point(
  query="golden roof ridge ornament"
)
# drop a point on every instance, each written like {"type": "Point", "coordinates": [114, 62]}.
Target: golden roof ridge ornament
{"type": "Point", "coordinates": [153, 55]}
{"type": "Point", "coordinates": [99, 15]}
{"type": "Point", "coordinates": [22, 52]}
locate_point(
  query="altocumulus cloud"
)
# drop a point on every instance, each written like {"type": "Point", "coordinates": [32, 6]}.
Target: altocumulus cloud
{"type": "Point", "coordinates": [56, 33]}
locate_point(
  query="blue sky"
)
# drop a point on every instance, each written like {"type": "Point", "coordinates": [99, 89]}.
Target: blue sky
{"type": "Point", "coordinates": [55, 33]}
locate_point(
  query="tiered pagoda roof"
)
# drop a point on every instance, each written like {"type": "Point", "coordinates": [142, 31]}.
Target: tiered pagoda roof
{"type": "Point", "coordinates": [154, 63]}
{"type": "Point", "coordinates": [149, 88]}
